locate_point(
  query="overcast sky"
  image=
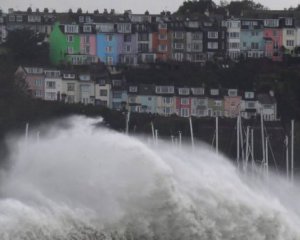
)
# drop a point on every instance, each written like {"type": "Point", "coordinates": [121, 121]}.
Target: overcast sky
{"type": "Point", "coordinates": [137, 6]}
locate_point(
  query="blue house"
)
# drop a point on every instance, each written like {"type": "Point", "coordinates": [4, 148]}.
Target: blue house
{"type": "Point", "coordinates": [108, 47]}
{"type": "Point", "coordinates": [252, 38]}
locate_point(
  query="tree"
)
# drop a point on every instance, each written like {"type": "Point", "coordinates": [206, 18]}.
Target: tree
{"type": "Point", "coordinates": [200, 6]}
{"type": "Point", "coordinates": [237, 7]}
{"type": "Point", "coordinates": [46, 10]}
{"type": "Point", "coordinates": [26, 46]}
{"type": "Point", "coordinates": [79, 11]}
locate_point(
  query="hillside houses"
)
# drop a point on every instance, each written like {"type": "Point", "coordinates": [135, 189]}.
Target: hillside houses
{"type": "Point", "coordinates": [97, 86]}
{"type": "Point", "coordinates": [133, 39]}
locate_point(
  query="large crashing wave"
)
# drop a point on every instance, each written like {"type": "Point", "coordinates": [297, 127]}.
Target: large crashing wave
{"type": "Point", "coordinates": [84, 183]}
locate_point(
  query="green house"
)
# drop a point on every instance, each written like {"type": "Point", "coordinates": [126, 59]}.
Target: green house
{"type": "Point", "coordinates": [64, 41]}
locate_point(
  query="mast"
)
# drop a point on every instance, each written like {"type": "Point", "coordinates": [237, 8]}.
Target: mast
{"type": "Point", "coordinates": [262, 138]}
{"type": "Point", "coordinates": [156, 136]}
{"type": "Point", "coordinates": [292, 149]}
{"type": "Point", "coordinates": [267, 157]}
{"type": "Point", "coordinates": [242, 141]}
{"type": "Point", "coordinates": [217, 135]}
{"type": "Point", "coordinates": [26, 131]}
{"type": "Point", "coordinates": [287, 157]}
{"type": "Point", "coordinates": [252, 148]}
{"type": "Point", "coordinates": [153, 132]}
{"type": "Point", "coordinates": [238, 141]}
{"type": "Point", "coordinates": [127, 122]}
{"type": "Point", "coordinates": [192, 133]}
{"type": "Point", "coordinates": [180, 138]}
{"type": "Point", "coordinates": [247, 148]}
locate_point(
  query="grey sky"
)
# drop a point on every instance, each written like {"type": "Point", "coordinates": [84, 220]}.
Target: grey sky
{"type": "Point", "coordinates": [137, 6]}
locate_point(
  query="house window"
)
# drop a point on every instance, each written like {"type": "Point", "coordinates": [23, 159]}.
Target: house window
{"type": "Point", "coordinates": [196, 36]}
{"type": "Point", "coordinates": [133, 89]}
{"type": "Point", "coordinates": [212, 45]}
{"type": "Point", "coordinates": [143, 47]}
{"type": "Point", "coordinates": [212, 35]}
{"type": "Point", "coordinates": [103, 92]}
{"type": "Point", "coordinates": [234, 35]}
{"type": "Point", "coordinates": [162, 48]}
{"type": "Point", "coordinates": [271, 22]}
{"type": "Point", "coordinates": [71, 87]}
{"type": "Point", "coordinates": [108, 49]}
{"type": "Point", "coordinates": [178, 45]}
{"type": "Point", "coordinates": [87, 28]}
{"type": "Point", "coordinates": [162, 26]}
{"type": "Point", "coordinates": [81, 19]}
{"type": "Point", "coordinates": [234, 45]}
{"type": "Point", "coordinates": [11, 18]}
{"type": "Point", "coordinates": [71, 28]}
{"type": "Point", "coordinates": [232, 92]}
{"type": "Point", "coordinates": [198, 91]}
{"type": "Point", "coordinates": [19, 18]}
{"type": "Point", "coordinates": [38, 93]}
{"type": "Point", "coordinates": [117, 94]}
{"type": "Point", "coordinates": [250, 104]}
{"type": "Point", "coordinates": [290, 32]}
{"type": "Point", "coordinates": [87, 49]}
{"type": "Point", "coordinates": [88, 19]}
{"type": "Point", "coordinates": [38, 82]}
{"type": "Point", "coordinates": [214, 92]}
{"type": "Point", "coordinates": [184, 112]}
{"type": "Point", "coordinates": [254, 45]}
{"type": "Point", "coordinates": [178, 35]}
{"type": "Point", "coordinates": [164, 89]}
{"type": "Point", "coordinates": [254, 33]}
{"type": "Point", "coordinates": [70, 50]}
{"type": "Point", "coordinates": [288, 21]}
{"type": "Point", "coordinates": [249, 95]}
{"type": "Point", "coordinates": [127, 37]}
{"type": "Point", "coordinates": [51, 96]}
{"type": "Point", "coordinates": [109, 60]}
{"type": "Point", "coordinates": [168, 100]}
{"type": "Point", "coordinates": [196, 47]}
{"type": "Point", "coordinates": [85, 77]}
{"type": "Point", "coordinates": [85, 88]}
{"type": "Point", "coordinates": [162, 36]}
{"type": "Point", "coordinates": [290, 43]}
{"type": "Point", "coordinates": [127, 48]}
{"type": "Point", "coordinates": [184, 101]}
{"type": "Point", "coordinates": [109, 38]}
{"type": "Point", "coordinates": [184, 91]}
{"type": "Point", "coordinates": [218, 103]}
{"type": "Point", "coordinates": [70, 38]}
{"type": "Point", "coordinates": [34, 18]}
{"type": "Point", "coordinates": [50, 84]}
{"type": "Point", "coordinates": [167, 110]}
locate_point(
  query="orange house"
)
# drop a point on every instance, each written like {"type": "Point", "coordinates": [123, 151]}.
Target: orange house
{"type": "Point", "coordinates": [160, 42]}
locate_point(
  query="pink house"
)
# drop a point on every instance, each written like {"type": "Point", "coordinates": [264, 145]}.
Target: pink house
{"type": "Point", "coordinates": [183, 102]}
{"type": "Point", "coordinates": [88, 44]}
{"type": "Point", "coordinates": [232, 103]}
{"type": "Point", "coordinates": [34, 79]}
{"type": "Point", "coordinates": [273, 43]}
